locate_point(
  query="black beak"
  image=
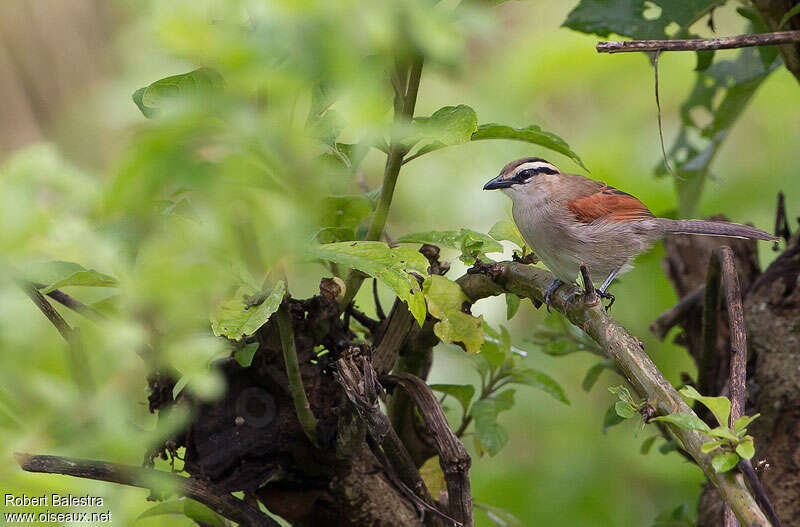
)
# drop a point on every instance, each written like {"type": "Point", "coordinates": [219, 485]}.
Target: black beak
{"type": "Point", "coordinates": [497, 183]}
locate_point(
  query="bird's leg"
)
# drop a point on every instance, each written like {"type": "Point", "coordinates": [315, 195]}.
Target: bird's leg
{"type": "Point", "coordinates": [602, 291]}
{"type": "Point", "coordinates": [555, 284]}
{"type": "Point", "coordinates": [576, 291]}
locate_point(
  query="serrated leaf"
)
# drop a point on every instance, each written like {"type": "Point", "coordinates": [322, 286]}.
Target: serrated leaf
{"type": "Point", "coordinates": [236, 318]}
{"type": "Point", "coordinates": [624, 409]}
{"type": "Point", "coordinates": [540, 380]}
{"type": "Point", "coordinates": [746, 449]}
{"type": "Point", "coordinates": [392, 266]}
{"type": "Point", "coordinates": [647, 444]}
{"type": "Point", "coordinates": [445, 299]}
{"type": "Point", "coordinates": [471, 244]}
{"type": "Point", "coordinates": [461, 392]}
{"type": "Point", "coordinates": [725, 461]}
{"type": "Point", "coordinates": [488, 432]}
{"type": "Point", "coordinates": [505, 230]}
{"type": "Point", "coordinates": [710, 446]}
{"type": "Point", "coordinates": [512, 305]}
{"type": "Point", "coordinates": [245, 355]}
{"type": "Point", "coordinates": [610, 418]}
{"type": "Point", "coordinates": [719, 406]}
{"type": "Point", "coordinates": [530, 134]}
{"type": "Point", "coordinates": [743, 422]}
{"type": "Point", "coordinates": [57, 274]}
{"type": "Point", "coordinates": [151, 99]}
{"type": "Point", "coordinates": [685, 421]}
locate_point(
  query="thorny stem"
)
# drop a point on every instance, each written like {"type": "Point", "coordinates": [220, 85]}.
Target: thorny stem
{"type": "Point", "coordinates": [296, 390]}
{"type": "Point", "coordinates": [406, 103]}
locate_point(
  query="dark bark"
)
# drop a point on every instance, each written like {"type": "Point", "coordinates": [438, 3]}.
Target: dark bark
{"type": "Point", "coordinates": [771, 307]}
{"type": "Point", "coordinates": [772, 12]}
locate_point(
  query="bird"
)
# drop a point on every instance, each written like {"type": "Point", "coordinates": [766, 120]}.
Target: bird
{"type": "Point", "coordinates": [569, 220]}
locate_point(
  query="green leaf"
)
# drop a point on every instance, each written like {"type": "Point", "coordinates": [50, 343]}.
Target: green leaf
{"type": "Point", "coordinates": [152, 99]}
{"type": "Point", "coordinates": [624, 409]}
{"type": "Point", "coordinates": [647, 444]}
{"type": "Point", "coordinates": [345, 211]}
{"type": "Point", "coordinates": [669, 446]}
{"type": "Point", "coordinates": [174, 507]}
{"type": "Point", "coordinates": [507, 230]}
{"type": "Point", "coordinates": [451, 125]}
{"type": "Point", "coordinates": [710, 446]}
{"type": "Point", "coordinates": [725, 461]}
{"type": "Point", "coordinates": [57, 274]}
{"type": "Point", "coordinates": [540, 380]}
{"type": "Point", "coordinates": [611, 418]}
{"type": "Point", "coordinates": [202, 515]}
{"type": "Point", "coordinates": [445, 299]}
{"type": "Point", "coordinates": [488, 432]}
{"type": "Point", "coordinates": [724, 432]}
{"type": "Point", "coordinates": [594, 373]}
{"type": "Point", "coordinates": [623, 393]}
{"type": "Point", "coordinates": [685, 421]}
{"type": "Point", "coordinates": [512, 305]}
{"type": "Point", "coordinates": [245, 355]}
{"type": "Point", "coordinates": [492, 351]}
{"type": "Point", "coordinates": [679, 517]}
{"type": "Point", "coordinates": [746, 449]}
{"type": "Point", "coordinates": [461, 392]}
{"type": "Point", "coordinates": [236, 318]}
{"type": "Point", "coordinates": [471, 244]}
{"type": "Point", "coordinates": [743, 422]}
{"type": "Point", "coordinates": [788, 15]}
{"type": "Point", "coordinates": [719, 406]}
{"type": "Point", "coordinates": [392, 266]}
{"type": "Point", "coordinates": [531, 134]}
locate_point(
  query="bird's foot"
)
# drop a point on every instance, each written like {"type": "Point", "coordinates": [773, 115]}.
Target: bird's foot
{"type": "Point", "coordinates": [609, 296]}
{"type": "Point", "coordinates": [576, 292]}
{"type": "Point", "coordinates": [548, 294]}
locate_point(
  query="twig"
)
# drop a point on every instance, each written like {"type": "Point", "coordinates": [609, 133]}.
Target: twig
{"type": "Point", "coordinates": [73, 304]}
{"type": "Point", "coordinates": [677, 313]}
{"type": "Point", "coordinates": [204, 492]}
{"type": "Point", "coordinates": [590, 294]}
{"type": "Point", "coordinates": [782, 229]}
{"type": "Point", "coordinates": [77, 358]}
{"type": "Point", "coordinates": [633, 362]}
{"type": "Point", "coordinates": [658, 107]}
{"type": "Point", "coordinates": [405, 102]}
{"type": "Point", "coordinates": [376, 298]}
{"type": "Point", "coordinates": [296, 389]}
{"type": "Point", "coordinates": [361, 387]}
{"type": "Point", "coordinates": [701, 44]}
{"type": "Point", "coordinates": [399, 325]}
{"type": "Point", "coordinates": [453, 457]}
{"type": "Point", "coordinates": [722, 263]}
{"type": "Point", "coordinates": [369, 323]}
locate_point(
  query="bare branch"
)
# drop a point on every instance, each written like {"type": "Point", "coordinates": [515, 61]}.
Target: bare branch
{"type": "Point", "coordinates": [590, 293]}
{"type": "Point", "coordinates": [399, 325]}
{"type": "Point", "coordinates": [206, 493]}
{"type": "Point", "coordinates": [453, 457]}
{"type": "Point", "coordinates": [677, 313]}
{"type": "Point", "coordinates": [633, 362]}
{"type": "Point", "coordinates": [701, 44]}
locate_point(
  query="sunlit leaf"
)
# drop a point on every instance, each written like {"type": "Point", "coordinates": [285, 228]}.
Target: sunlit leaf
{"type": "Point", "coordinates": [445, 299]}
{"type": "Point", "coordinates": [719, 406]}
{"type": "Point", "coordinates": [745, 448]}
{"type": "Point", "coordinates": [345, 211]}
{"type": "Point", "coordinates": [392, 266]}
{"type": "Point", "coordinates": [471, 244]}
{"type": "Point", "coordinates": [710, 446]}
{"type": "Point", "coordinates": [202, 515]}
{"type": "Point", "coordinates": [724, 432]}
{"type": "Point", "coordinates": [245, 355]}
{"type": "Point", "coordinates": [624, 409]}
{"type": "Point", "coordinates": [57, 274]}
{"type": "Point", "coordinates": [512, 305]}
{"type": "Point", "coordinates": [743, 422]}
{"type": "Point", "coordinates": [507, 230]}
{"type": "Point", "coordinates": [685, 421]}
{"type": "Point", "coordinates": [151, 99]}
{"type": "Point", "coordinates": [236, 317]}
{"type": "Point", "coordinates": [447, 126]}
{"type": "Point", "coordinates": [540, 380]}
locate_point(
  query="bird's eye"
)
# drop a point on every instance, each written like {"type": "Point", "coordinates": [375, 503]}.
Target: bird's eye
{"type": "Point", "coordinates": [524, 175]}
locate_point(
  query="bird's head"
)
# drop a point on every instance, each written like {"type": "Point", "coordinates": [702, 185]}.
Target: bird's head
{"type": "Point", "coordinates": [523, 175]}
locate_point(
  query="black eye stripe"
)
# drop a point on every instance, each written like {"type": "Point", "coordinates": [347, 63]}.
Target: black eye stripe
{"type": "Point", "coordinates": [524, 175]}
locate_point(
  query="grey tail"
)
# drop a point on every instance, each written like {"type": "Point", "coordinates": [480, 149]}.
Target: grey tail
{"type": "Point", "coordinates": [714, 228]}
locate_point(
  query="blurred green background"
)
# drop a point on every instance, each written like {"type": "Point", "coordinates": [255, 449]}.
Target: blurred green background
{"type": "Point", "coordinates": [69, 125]}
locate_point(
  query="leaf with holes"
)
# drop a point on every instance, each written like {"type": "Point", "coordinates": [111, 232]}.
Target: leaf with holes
{"type": "Point", "coordinates": [237, 317]}
{"type": "Point", "coordinates": [392, 266]}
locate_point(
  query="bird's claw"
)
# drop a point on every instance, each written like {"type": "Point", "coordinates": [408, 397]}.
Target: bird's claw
{"type": "Point", "coordinates": [571, 297]}
{"type": "Point", "coordinates": [548, 294]}
{"type": "Point", "coordinates": [608, 296]}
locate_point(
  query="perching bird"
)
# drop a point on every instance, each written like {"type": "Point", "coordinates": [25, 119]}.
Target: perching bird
{"type": "Point", "coordinates": [568, 219]}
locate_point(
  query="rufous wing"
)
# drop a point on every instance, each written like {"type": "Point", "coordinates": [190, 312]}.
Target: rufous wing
{"type": "Point", "coordinates": [608, 204]}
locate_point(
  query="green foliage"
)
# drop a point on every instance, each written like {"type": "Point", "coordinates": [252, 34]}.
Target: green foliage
{"type": "Point", "coordinates": [719, 406]}
{"type": "Point", "coordinates": [594, 373]}
{"type": "Point", "coordinates": [794, 11]}
{"type": "Point", "coordinates": [725, 461]}
{"type": "Point", "coordinates": [530, 134]}
{"type": "Point", "coordinates": [678, 517]}
{"type": "Point", "coordinates": [191, 509]}
{"type": "Point", "coordinates": [244, 356]}
{"type": "Point", "coordinates": [488, 432]}
{"type": "Point", "coordinates": [445, 302]}
{"type": "Point", "coordinates": [512, 305]}
{"type": "Point", "coordinates": [471, 244]}
{"type": "Point", "coordinates": [451, 125]}
{"type": "Point", "coordinates": [153, 98]}
{"type": "Point", "coordinates": [540, 380]}
{"type": "Point", "coordinates": [507, 230]}
{"type": "Point", "coordinates": [462, 393]}
{"type": "Point", "coordinates": [57, 274]}
{"type": "Point", "coordinates": [557, 338]}
{"type": "Point", "coordinates": [242, 315]}
{"type": "Point", "coordinates": [498, 516]}
{"type": "Point", "coordinates": [392, 266]}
